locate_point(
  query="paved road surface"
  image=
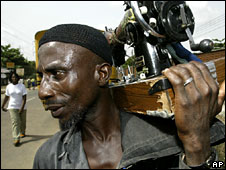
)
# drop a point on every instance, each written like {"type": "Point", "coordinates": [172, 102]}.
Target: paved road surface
{"type": "Point", "coordinates": [40, 126]}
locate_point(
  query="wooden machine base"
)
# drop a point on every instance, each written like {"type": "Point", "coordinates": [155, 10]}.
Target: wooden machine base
{"type": "Point", "coordinates": [135, 97]}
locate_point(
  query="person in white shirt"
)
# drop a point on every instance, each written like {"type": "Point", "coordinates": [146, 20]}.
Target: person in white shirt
{"type": "Point", "coordinates": [16, 94]}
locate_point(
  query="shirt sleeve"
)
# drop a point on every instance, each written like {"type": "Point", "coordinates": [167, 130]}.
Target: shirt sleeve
{"type": "Point", "coordinates": [35, 163]}
{"type": "Point", "coordinates": [182, 165]}
{"type": "Point", "coordinates": [39, 159]}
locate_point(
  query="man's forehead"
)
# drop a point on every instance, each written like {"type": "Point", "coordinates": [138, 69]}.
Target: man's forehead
{"type": "Point", "coordinates": [63, 54]}
{"type": "Point", "coordinates": [54, 45]}
{"type": "Point", "coordinates": [63, 47]}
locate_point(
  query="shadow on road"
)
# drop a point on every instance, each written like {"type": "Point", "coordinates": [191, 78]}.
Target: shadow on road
{"type": "Point", "coordinates": [35, 138]}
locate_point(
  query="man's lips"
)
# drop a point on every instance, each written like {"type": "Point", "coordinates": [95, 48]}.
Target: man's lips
{"type": "Point", "coordinates": [53, 107]}
{"type": "Point", "coordinates": [56, 109]}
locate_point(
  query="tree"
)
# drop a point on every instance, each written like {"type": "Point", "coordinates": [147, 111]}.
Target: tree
{"type": "Point", "coordinates": [9, 54]}
{"type": "Point", "coordinates": [218, 44]}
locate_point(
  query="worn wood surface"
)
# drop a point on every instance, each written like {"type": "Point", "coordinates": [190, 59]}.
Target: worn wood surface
{"type": "Point", "coordinates": [135, 98]}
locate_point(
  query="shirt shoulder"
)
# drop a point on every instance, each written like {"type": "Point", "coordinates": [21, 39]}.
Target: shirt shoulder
{"type": "Point", "coordinates": [8, 88]}
{"type": "Point", "coordinates": [21, 85]}
{"type": "Point", "coordinates": [47, 153]}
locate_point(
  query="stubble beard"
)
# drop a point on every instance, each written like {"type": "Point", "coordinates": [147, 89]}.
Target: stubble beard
{"type": "Point", "coordinates": [75, 120]}
{"type": "Point", "coordinates": [77, 117]}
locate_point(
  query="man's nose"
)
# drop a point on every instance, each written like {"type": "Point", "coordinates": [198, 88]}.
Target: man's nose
{"type": "Point", "coordinates": [45, 91]}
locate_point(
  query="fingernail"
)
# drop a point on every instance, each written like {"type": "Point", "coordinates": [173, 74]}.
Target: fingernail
{"type": "Point", "coordinates": [165, 70]}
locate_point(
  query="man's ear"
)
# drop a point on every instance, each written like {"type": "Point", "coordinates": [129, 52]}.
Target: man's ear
{"type": "Point", "coordinates": [103, 73]}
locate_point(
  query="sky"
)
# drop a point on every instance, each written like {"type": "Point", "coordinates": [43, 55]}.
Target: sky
{"type": "Point", "coordinates": [21, 20]}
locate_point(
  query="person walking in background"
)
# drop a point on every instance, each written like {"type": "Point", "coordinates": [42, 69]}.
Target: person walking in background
{"type": "Point", "coordinates": [16, 94]}
{"type": "Point", "coordinates": [25, 83]}
{"type": "Point", "coordinates": [33, 83]}
{"type": "Point", "coordinates": [29, 83]}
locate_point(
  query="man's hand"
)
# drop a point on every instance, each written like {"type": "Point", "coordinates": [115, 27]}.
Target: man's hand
{"type": "Point", "coordinates": [4, 109]}
{"type": "Point", "coordinates": [6, 98]}
{"type": "Point", "coordinates": [221, 96]}
{"type": "Point", "coordinates": [196, 104]}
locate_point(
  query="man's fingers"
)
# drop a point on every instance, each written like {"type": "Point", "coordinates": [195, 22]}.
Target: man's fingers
{"type": "Point", "coordinates": [221, 96]}
{"type": "Point", "coordinates": [200, 82]}
{"type": "Point", "coordinates": [222, 90]}
{"type": "Point", "coordinates": [190, 88]}
{"type": "Point", "coordinates": [214, 89]}
{"type": "Point", "coordinates": [177, 83]}
{"type": "Point", "coordinates": [207, 76]}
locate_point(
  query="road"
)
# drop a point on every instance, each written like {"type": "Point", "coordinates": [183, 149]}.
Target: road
{"type": "Point", "coordinates": [40, 127]}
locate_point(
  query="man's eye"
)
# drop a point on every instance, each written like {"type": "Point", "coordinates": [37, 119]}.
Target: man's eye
{"type": "Point", "coordinates": [58, 74]}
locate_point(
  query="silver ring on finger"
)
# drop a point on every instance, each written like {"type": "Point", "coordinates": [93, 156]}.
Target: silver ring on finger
{"type": "Point", "coordinates": [189, 80]}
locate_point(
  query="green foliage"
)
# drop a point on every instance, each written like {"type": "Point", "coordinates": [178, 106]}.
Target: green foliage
{"type": "Point", "coordinates": [218, 44]}
{"type": "Point", "coordinates": [9, 54]}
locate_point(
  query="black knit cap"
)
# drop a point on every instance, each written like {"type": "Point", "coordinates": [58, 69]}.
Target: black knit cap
{"type": "Point", "coordinates": [83, 35]}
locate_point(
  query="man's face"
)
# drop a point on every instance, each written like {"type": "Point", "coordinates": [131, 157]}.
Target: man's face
{"type": "Point", "coordinates": [68, 86]}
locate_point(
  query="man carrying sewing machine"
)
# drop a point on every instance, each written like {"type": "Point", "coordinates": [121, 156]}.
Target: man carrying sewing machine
{"type": "Point", "coordinates": [75, 65]}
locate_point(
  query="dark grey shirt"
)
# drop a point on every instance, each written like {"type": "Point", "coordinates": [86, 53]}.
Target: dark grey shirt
{"type": "Point", "coordinates": [147, 142]}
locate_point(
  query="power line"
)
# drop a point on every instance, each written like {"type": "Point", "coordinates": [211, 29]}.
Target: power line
{"type": "Point", "coordinates": [221, 17]}
{"type": "Point", "coordinates": [14, 21]}
{"type": "Point", "coordinates": [24, 48]}
{"type": "Point", "coordinates": [209, 31]}
{"type": "Point", "coordinates": [15, 36]}
{"type": "Point", "coordinates": [212, 23]}
{"type": "Point", "coordinates": [209, 28]}
{"type": "Point", "coordinates": [13, 28]}
{"type": "Point", "coordinates": [216, 18]}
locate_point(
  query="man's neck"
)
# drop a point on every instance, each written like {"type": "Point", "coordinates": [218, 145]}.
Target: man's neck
{"type": "Point", "coordinates": [103, 122]}
{"type": "Point", "coordinates": [101, 136]}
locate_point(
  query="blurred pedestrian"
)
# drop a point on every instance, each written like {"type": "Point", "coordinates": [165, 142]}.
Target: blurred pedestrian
{"type": "Point", "coordinates": [16, 94]}
{"type": "Point", "coordinates": [25, 83]}
{"type": "Point", "coordinates": [29, 83]}
{"type": "Point", "coordinates": [33, 83]}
